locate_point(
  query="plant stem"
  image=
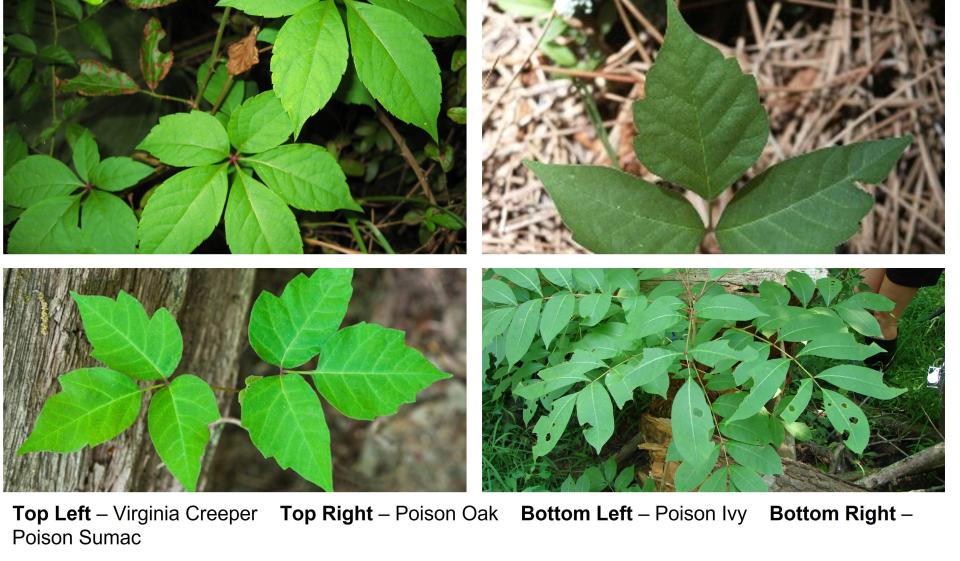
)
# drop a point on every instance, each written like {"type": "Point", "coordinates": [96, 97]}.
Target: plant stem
{"type": "Point", "coordinates": [53, 78]}
{"type": "Point", "coordinates": [222, 95]}
{"type": "Point", "coordinates": [167, 97]}
{"type": "Point", "coordinates": [594, 113]}
{"type": "Point", "coordinates": [214, 55]}
{"type": "Point", "coordinates": [377, 235]}
{"type": "Point", "coordinates": [412, 200]}
{"type": "Point", "coordinates": [352, 224]}
{"type": "Point", "coordinates": [407, 154]}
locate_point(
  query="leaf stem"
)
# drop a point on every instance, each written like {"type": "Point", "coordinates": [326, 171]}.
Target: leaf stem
{"type": "Point", "coordinates": [407, 154]}
{"type": "Point", "coordinates": [223, 94]}
{"type": "Point", "coordinates": [167, 97]}
{"type": "Point", "coordinates": [214, 55]}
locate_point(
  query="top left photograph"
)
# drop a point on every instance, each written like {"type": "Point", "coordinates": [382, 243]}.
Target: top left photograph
{"type": "Point", "coordinates": [234, 126]}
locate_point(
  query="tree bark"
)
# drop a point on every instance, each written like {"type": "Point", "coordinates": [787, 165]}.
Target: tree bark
{"type": "Point", "coordinates": [798, 476]}
{"type": "Point", "coordinates": [43, 338]}
{"type": "Point", "coordinates": [928, 459]}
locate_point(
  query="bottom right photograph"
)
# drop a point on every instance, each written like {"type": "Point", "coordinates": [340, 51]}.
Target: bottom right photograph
{"type": "Point", "coordinates": [664, 380]}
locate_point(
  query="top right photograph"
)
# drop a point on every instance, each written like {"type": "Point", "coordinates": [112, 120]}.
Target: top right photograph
{"type": "Point", "coordinates": [713, 126]}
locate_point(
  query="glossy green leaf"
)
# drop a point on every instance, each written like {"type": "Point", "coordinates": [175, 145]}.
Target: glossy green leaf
{"type": "Point", "coordinates": [366, 371]}
{"type": "Point", "coordinates": [267, 8]}
{"type": "Point", "coordinates": [96, 79]}
{"type": "Point", "coordinates": [259, 124]}
{"type": "Point", "coordinates": [498, 292]}
{"type": "Point", "coordinates": [526, 278]}
{"type": "Point", "coordinates": [726, 307]}
{"type": "Point", "coordinates": [767, 377]}
{"type": "Point", "coordinates": [798, 403]}
{"type": "Point", "coordinates": [285, 420]}
{"type": "Point", "coordinates": [593, 308]}
{"type": "Point", "coordinates": [692, 423]}
{"type": "Point", "coordinates": [396, 64]}
{"type": "Point", "coordinates": [92, 33]}
{"type": "Point", "coordinates": [306, 176]}
{"type": "Point", "coordinates": [127, 340]}
{"type": "Point", "coordinates": [550, 428]}
{"type": "Point", "coordinates": [96, 404]}
{"type": "Point", "coordinates": [610, 211]}
{"type": "Point", "coordinates": [108, 224]}
{"type": "Point", "coordinates": [864, 381]}
{"type": "Point", "coordinates": [119, 173]}
{"type": "Point", "coordinates": [257, 220]}
{"type": "Point", "coordinates": [847, 417]}
{"type": "Point", "coordinates": [188, 139]}
{"type": "Point", "coordinates": [154, 64]}
{"type": "Point", "coordinates": [595, 410]}
{"type": "Point", "coordinates": [49, 226]}
{"type": "Point", "coordinates": [829, 288]}
{"type": "Point", "coordinates": [184, 210]}
{"type": "Point", "coordinates": [624, 378]}
{"type": "Point", "coordinates": [522, 330]}
{"type": "Point", "coordinates": [36, 178]}
{"type": "Point", "coordinates": [700, 124]}
{"type": "Point", "coordinates": [840, 346]}
{"type": "Point", "coordinates": [71, 8]}
{"type": "Point", "coordinates": [434, 18]}
{"type": "Point", "coordinates": [756, 457]}
{"type": "Point", "coordinates": [178, 421]}
{"type": "Point", "coordinates": [556, 315]}
{"type": "Point", "coordinates": [289, 330]}
{"type": "Point", "coordinates": [810, 203]}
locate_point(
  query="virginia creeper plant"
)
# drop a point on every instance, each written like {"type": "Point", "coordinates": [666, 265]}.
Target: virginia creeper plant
{"type": "Point", "coordinates": [700, 127]}
{"type": "Point", "coordinates": [734, 366]}
{"type": "Point", "coordinates": [364, 370]}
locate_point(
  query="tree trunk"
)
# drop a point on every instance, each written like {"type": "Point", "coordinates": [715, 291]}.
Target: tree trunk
{"type": "Point", "coordinates": [798, 476]}
{"type": "Point", "coordinates": [43, 338]}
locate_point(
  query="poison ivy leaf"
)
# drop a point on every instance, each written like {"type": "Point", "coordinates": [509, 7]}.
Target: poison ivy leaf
{"type": "Point", "coordinates": [557, 313]}
{"type": "Point", "coordinates": [396, 64]}
{"type": "Point", "coordinates": [550, 428]}
{"type": "Point", "coordinates": [594, 409]}
{"type": "Point", "coordinates": [760, 458]}
{"type": "Point", "coordinates": [593, 308]}
{"type": "Point", "coordinates": [259, 124]}
{"type": "Point", "coordinates": [713, 352]}
{"type": "Point", "coordinates": [829, 288]}
{"type": "Point", "coordinates": [701, 124]}
{"type": "Point", "coordinates": [610, 211]}
{"type": "Point", "coordinates": [49, 226]}
{"type": "Point", "coordinates": [184, 210]}
{"type": "Point", "coordinates": [127, 340]}
{"type": "Point", "coordinates": [726, 307]}
{"type": "Point", "coordinates": [285, 420]}
{"type": "Point", "coordinates": [86, 153]}
{"type": "Point", "coordinates": [746, 480]}
{"type": "Point", "coordinates": [36, 178]}
{"type": "Point", "coordinates": [94, 36]}
{"type": "Point", "coordinates": [309, 59]}
{"type": "Point", "coordinates": [774, 293]}
{"type": "Point", "coordinates": [692, 423]}
{"type": "Point", "coordinates": [767, 376]}
{"type": "Point", "coordinates": [96, 404]}
{"type": "Point", "coordinates": [96, 79]}
{"type": "Point", "coordinates": [290, 330]}
{"type": "Point", "coordinates": [118, 173]}
{"type": "Point", "coordinates": [860, 320]}
{"type": "Point", "coordinates": [108, 224]}
{"type": "Point", "coordinates": [807, 204]}
{"type": "Point", "coordinates": [178, 421]}
{"type": "Point", "coordinates": [435, 18]}
{"type": "Point", "coordinates": [526, 278]}
{"type": "Point", "coordinates": [799, 402]}
{"type": "Point", "coordinates": [267, 8]}
{"type": "Point", "coordinates": [801, 285]}
{"type": "Point", "coordinates": [257, 220]}
{"type": "Point", "coordinates": [366, 371]}
{"type": "Point", "coordinates": [304, 175]}
{"type": "Point", "coordinates": [847, 417]}
{"type": "Point", "coordinates": [691, 474]}
{"type": "Point", "coordinates": [188, 139]}
{"type": "Point", "coordinates": [660, 315]}
{"type": "Point", "coordinates": [154, 64]}
{"type": "Point", "coordinates": [860, 379]}
{"type": "Point", "coordinates": [627, 376]}
{"type": "Point", "coordinates": [840, 346]}
{"type": "Point", "coordinates": [522, 330]}
{"type": "Point", "coordinates": [498, 292]}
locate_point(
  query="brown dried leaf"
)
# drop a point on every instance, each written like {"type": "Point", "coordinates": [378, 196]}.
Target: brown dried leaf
{"type": "Point", "coordinates": [243, 54]}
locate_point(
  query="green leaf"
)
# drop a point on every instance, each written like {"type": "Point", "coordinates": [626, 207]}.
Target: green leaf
{"type": "Point", "coordinates": [840, 346]}
{"type": "Point", "coordinates": [701, 124]}
{"type": "Point", "coordinates": [847, 417]}
{"type": "Point", "coordinates": [692, 423]}
{"type": "Point", "coordinates": [22, 43]}
{"type": "Point", "coordinates": [713, 352]}
{"type": "Point", "coordinates": [304, 175]}
{"type": "Point", "coordinates": [525, 8]}
{"type": "Point", "coordinates": [804, 325]}
{"type": "Point", "coordinates": [627, 376]}
{"type": "Point", "coordinates": [309, 59]}
{"type": "Point", "coordinates": [829, 288]}
{"type": "Point", "coordinates": [55, 54]}
{"type": "Point", "coordinates": [178, 421]}
{"type": "Point", "coordinates": [184, 210]}
{"type": "Point", "coordinates": [26, 14]}
{"type": "Point", "coordinates": [259, 124]}
{"type": "Point", "coordinates": [862, 321]}
{"type": "Point", "coordinates": [593, 308]}
{"type": "Point", "coordinates": [352, 90]}
{"type": "Point", "coordinates": [860, 379]}
{"type": "Point", "coordinates": [726, 307]}
{"type": "Point", "coordinates": [97, 79]}
{"type": "Point", "coordinates": [807, 204]}
{"type": "Point", "coordinates": [526, 278]}
{"type": "Point", "coordinates": [119, 173]}
{"type": "Point", "coordinates": [495, 322]}
{"type": "Point", "coordinates": [746, 480]}
{"type": "Point", "coordinates": [799, 431]}
{"type": "Point", "coordinates": [691, 474]}
{"type": "Point", "coordinates": [96, 404]}
{"type": "Point", "coordinates": [559, 277]}
{"type": "Point", "coordinates": [760, 458]}
{"type": "Point", "coordinates": [154, 64]}
{"type": "Point", "coordinates": [792, 411]}
{"type": "Point", "coordinates": [36, 178]}
{"type": "Point", "coordinates": [550, 428]}
{"type": "Point", "coordinates": [366, 371]}
{"type": "Point", "coordinates": [557, 313]}
{"type": "Point", "coordinates": [285, 420]}
{"type": "Point", "coordinates": [290, 330]}
{"type": "Point", "coordinates": [216, 84]}
{"type": "Point", "coordinates": [498, 292]}
{"type": "Point", "coordinates": [127, 340]}
{"type": "Point", "coordinates": [49, 226]}
{"type": "Point", "coordinates": [752, 430]}
{"type": "Point", "coordinates": [610, 211]}
{"type": "Point", "coordinates": [108, 224]}
{"type": "Point", "coordinates": [95, 37]}
{"type": "Point", "coordinates": [594, 409]}
{"type": "Point", "coordinates": [564, 374]}
{"type": "Point", "coordinates": [774, 293]}
{"type": "Point", "coordinates": [767, 376]}
{"type": "Point", "coordinates": [435, 18]}
{"type": "Point", "coordinates": [188, 139]}
{"type": "Point", "coordinates": [396, 64]}
{"type": "Point", "coordinates": [869, 301]}
{"type": "Point", "coordinates": [801, 285]}
{"type": "Point", "coordinates": [86, 153]}
{"type": "Point", "coordinates": [71, 8]}
{"type": "Point", "coordinates": [267, 8]}
{"type": "Point", "coordinates": [258, 221]}
{"type": "Point", "coordinates": [522, 330]}
{"type": "Point", "coordinates": [590, 280]}
{"type": "Point", "coordinates": [656, 318]}
{"type": "Point", "coordinates": [14, 149]}
{"type": "Point", "coordinates": [718, 482]}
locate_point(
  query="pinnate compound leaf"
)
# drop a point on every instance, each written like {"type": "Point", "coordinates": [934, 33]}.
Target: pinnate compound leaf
{"type": "Point", "coordinates": [829, 288]}
{"type": "Point", "coordinates": [285, 420]}
{"type": "Point", "coordinates": [435, 18]}
{"type": "Point", "coordinates": [593, 307]}
{"type": "Point", "coordinates": [188, 139]}
{"type": "Point", "coordinates": [841, 346]}
{"type": "Point", "coordinates": [746, 480]}
{"type": "Point", "coordinates": [178, 421]}
{"type": "Point", "coordinates": [118, 173]}
{"type": "Point", "coordinates": [801, 285]}
{"type": "Point", "coordinates": [701, 124]}
{"type": "Point", "coordinates": [127, 340]}
{"type": "Point", "coordinates": [847, 417]}
{"type": "Point", "coordinates": [49, 226]}
{"type": "Point", "coordinates": [757, 457]}
{"type": "Point", "coordinates": [726, 307]}
{"type": "Point", "coordinates": [267, 8]}
{"type": "Point", "coordinates": [860, 379]}
{"type": "Point", "coordinates": [810, 203]}
{"type": "Point", "coordinates": [96, 404]}
{"type": "Point", "coordinates": [526, 278]}
{"type": "Point", "coordinates": [795, 407]}
{"type": "Point", "coordinates": [36, 178]}
{"type": "Point", "coordinates": [259, 124]}
{"type": "Point", "coordinates": [556, 315]}
{"type": "Point", "coordinates": [559, 277]}
{"type": "Point", "coordinates": [767, 377]}
{"type": "Point", "coordinates": [689, 475]}
{"type": "Point", "coordinates": [366, 371]}
{"type": "Point", "coordinates": [184, 210]}
{"type": "Point", "coordinates": [718, 482]}
{"type": "Point", "coordinates": [96, 78]}
{"type": "Point", "coordinates": [627, 376]}
{"type": "Point", "coordinates": [610, 211]}
{"type": "Point", "coordinates": [522, 330]}
{"type": "Point", "coordinates": [498, 292]}
{"type": "Point", "coordinates": [692, 423]}
{"type": "Point", "coordinates": [154, 64]}
{"type": "Point", "coordinates": [309, 59]}
{"type": "Point", "coordinates": [289, 330]}
{"type": "Point", "coordinates": [594, 409]}
{"type": "Point", "coordinates": [396, 63]}
{"type": "Point", "coordinates": [257, 220]}
{"type": "Point", "coordinates": [108, 224]}
{"type": "Point", "coordinates": [660, 315]}
{"type": "Point", "coordinates": [306, 176]}
{"type": "Point", "coordinates": [713, 352]}
{"type": "Point", "coordinates": [550, 428]}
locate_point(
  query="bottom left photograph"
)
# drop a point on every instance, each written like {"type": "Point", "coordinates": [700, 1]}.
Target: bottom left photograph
{"type": "Point", "coordinates": [234, 380]}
